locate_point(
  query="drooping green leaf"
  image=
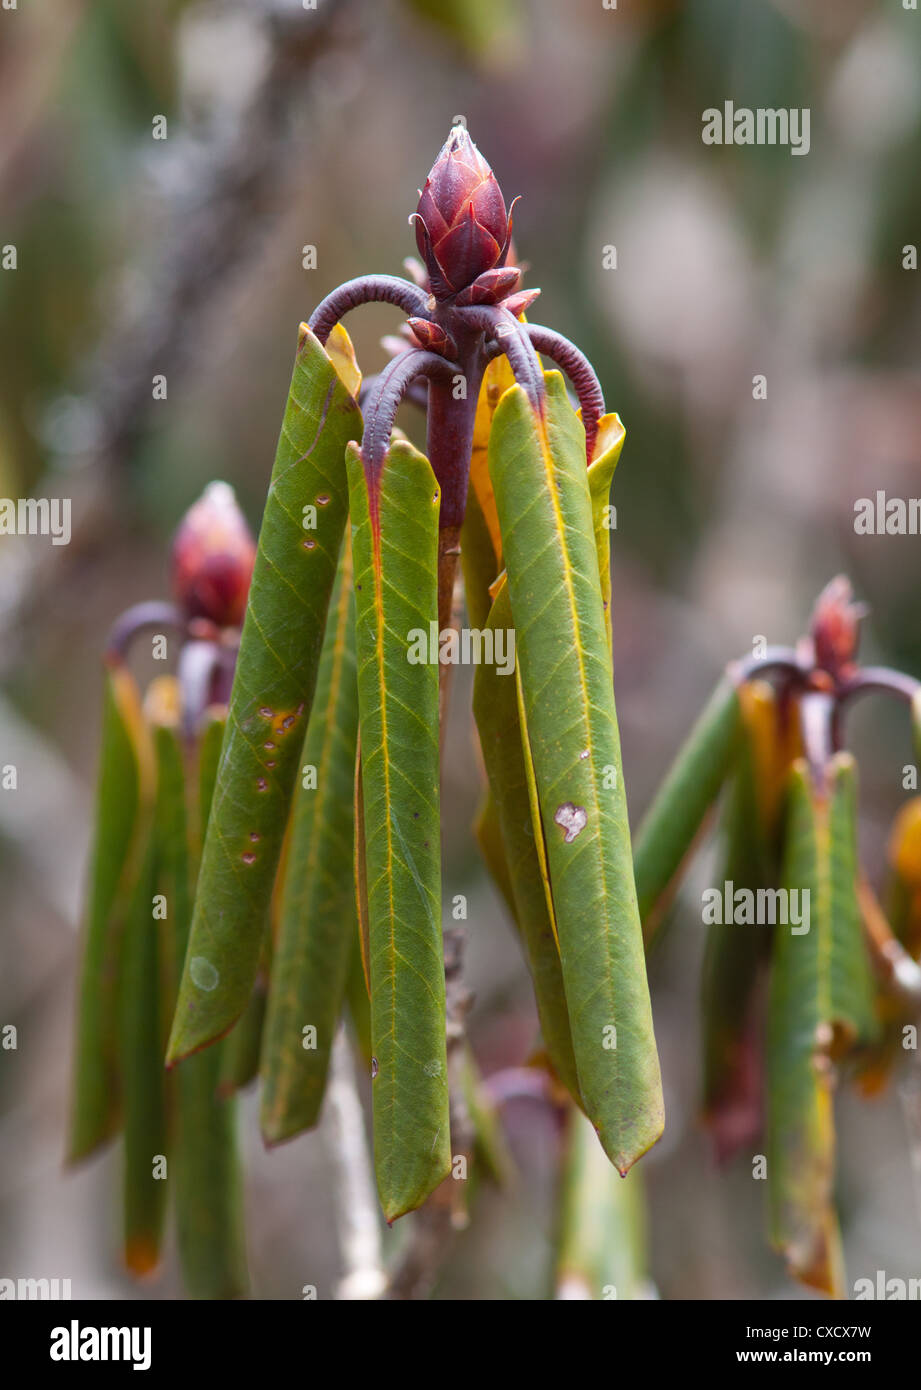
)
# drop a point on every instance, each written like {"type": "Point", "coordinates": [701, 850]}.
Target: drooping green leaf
{"type": "Point", "coordinates": [209, 1198]}
{"type": "Point", "coordinates": [276, 673]}
{"type": "Point", "coordinates": [209, 1188]}
{"type": "Point", "coordinates": [123, 757]}
{"type": "Point", "coordinates": [544, 505]}
{"type": "Point", "coordinates": [505, 824]}
{"type": "Point", "coordinates": [395, 548]}
{"type": "Point", "coordinates": [820, 1004]}
{"type": "Point", "coordinates": [602, 1253]}
{"type": "Point", "coordinates": [318, 928]}
{"type": "Point", "coordinates": [496, 710]}
{"type": "Point", "coordinates": [691, 785]}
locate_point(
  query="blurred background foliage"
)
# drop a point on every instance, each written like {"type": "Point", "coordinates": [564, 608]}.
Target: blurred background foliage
{"type": "Point", "coordinates": [289, 127]}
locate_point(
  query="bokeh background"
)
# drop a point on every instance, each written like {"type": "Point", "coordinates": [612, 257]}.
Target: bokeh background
{"type": "Point", "coordinates": [290, 127]}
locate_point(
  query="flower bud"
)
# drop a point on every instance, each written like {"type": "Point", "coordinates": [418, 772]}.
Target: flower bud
{"type": "Point", "coordinates": [492, 286]}
{"type": "Point", "coordinates": [835, 627]}
{"type": "Point", "coordinates": [432, 337]}
{"type": "Point", "coordinates": [521, 302]}
{"type": "Point", "coordinates": [212, 558]}
{"type": "Point", "coordinates": [462, 228]}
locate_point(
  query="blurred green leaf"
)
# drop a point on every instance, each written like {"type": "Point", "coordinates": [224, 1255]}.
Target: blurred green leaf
{"type": "Point", "coordinates": [820, 1005]}
{"type": "Point", "coordinates": [209, 1196]}
{"type": "Point", "coordinates": [602, 1251]}
{"type": "Point", "coordinates": [143, 1078]}
{"type": "Point", "coordinates": [692, 783]}
{"type": "Point", "coordinates": [125, 761]}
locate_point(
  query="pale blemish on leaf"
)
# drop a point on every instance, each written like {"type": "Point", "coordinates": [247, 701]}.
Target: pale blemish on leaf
{"type": "Point", "coordinates": [203, 974]}
{"type": "Point", "coordinates": [572, 819]}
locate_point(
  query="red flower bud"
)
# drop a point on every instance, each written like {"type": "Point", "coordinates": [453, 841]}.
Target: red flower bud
{"type": "Point", "coordinates": [432, 337]}
{"type": "Point", "coordinates": [491, 287]}
{"type": "Point", "coordinates": [212, 558]}
{"type": "Point", "coordinates": [836, 627]}
{"type": "Point", "coordinates": [521, 302]}
{"type": "Point", "coordinates": [462, 228]}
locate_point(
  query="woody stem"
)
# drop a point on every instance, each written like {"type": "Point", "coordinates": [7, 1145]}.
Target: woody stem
{"type": "Point", "coordinates": [451, 413]}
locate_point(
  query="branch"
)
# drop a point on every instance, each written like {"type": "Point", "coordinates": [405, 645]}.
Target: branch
{"type": "Point", "coordinates": [356, 1200]}
{"type": "Point", "coordinates": [222, 203]}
